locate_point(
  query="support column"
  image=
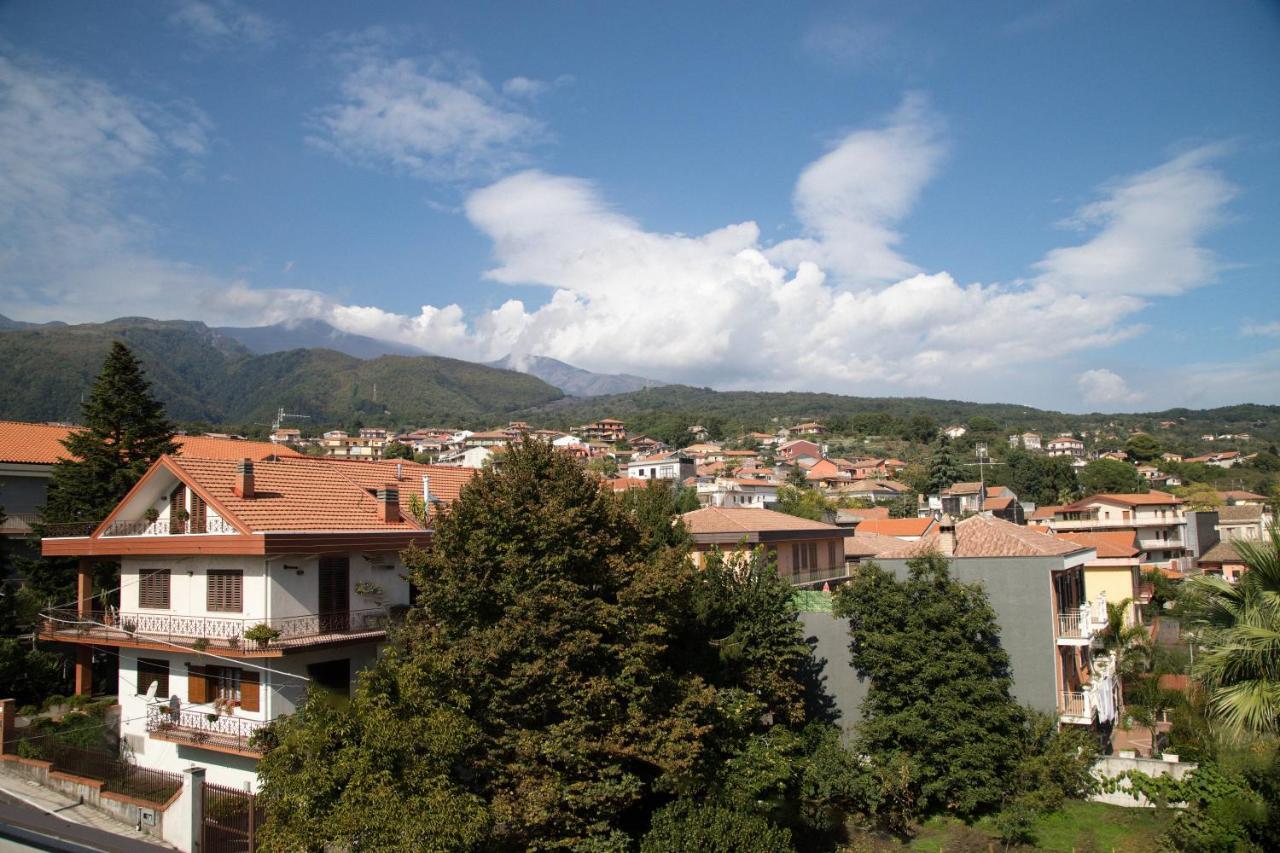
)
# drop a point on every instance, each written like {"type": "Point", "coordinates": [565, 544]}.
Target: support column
{"type": "Point", "coordinates": [8, 721]}
{"type": "Point", "coordinates": [84, 587]}
{"type": "Point", "coordinates": [84, 670]}
{"type": "Point", "coordinates": [184, 819]}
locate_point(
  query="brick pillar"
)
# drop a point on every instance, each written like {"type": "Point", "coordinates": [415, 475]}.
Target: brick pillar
{"type": "Point", "coordinates": [84, 587]}
{"type": "Point", "coordinates": [84, 670]}
{"type": "Point", "coordinates": [8, 715]}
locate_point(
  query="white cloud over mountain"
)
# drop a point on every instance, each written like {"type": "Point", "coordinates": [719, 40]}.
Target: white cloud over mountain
{"type": "Point", "coordinates": [835, 308]}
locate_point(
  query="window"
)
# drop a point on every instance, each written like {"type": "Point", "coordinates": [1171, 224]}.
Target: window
{"type": "Point", "coordinates": [177, 508]}
{"type": "Point", "coordinates": [804, 556]}
{"type": "Point", "coordinates": [207, 684]}
{"type": "Point", "coordinates": [153, 670]}
{"type": "Point", "coordinates": [226, 590]}
{"type": "Point", "coordinates": [153, 589]}
{"type": "Point", "coordinates": [223, 683]}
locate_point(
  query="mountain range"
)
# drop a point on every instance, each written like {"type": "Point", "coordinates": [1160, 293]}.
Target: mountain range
{"type": "Point", "coordinates": [239, 377]}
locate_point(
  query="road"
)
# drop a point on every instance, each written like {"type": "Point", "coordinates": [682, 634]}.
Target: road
{"type": "Point", "coordinates": [23, 827]}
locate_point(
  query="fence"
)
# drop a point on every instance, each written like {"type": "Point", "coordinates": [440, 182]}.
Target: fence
{"type": "Point", "coordinates": [116, 774]}
{"type": "Point", "coordinates": [231, 820]}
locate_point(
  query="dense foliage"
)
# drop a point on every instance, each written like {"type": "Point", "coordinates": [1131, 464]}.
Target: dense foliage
{"type": "Point", "coordinates": [1111, 476]}
{"type": "Point", "coordinates": [565, 673]}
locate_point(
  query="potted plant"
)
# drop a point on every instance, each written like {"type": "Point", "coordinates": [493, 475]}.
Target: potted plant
{"type": "Point", "coordinates": [200, 644]}
{"type": "Point", "coordinates": [130, 627]}
{"type": "Point", "coordinates": [212, 718]}
{"type": "Point", "coordinates": [151, 515]}
{"type": "Point", "coordinates": [262, 634]}
{"type": "Point", "coordinates": [369, 589]}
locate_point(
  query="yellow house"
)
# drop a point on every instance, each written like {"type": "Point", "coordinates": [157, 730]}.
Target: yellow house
{"type": "Point", "coordinates": [1115, 574]}
{"type": "Point", "coordinates": [807, 552]}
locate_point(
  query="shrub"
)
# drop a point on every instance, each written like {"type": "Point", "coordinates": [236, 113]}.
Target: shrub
{"type": "Point", "coordinates": [712, 828]}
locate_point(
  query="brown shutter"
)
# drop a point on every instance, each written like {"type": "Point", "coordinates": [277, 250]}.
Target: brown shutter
{"type": "Point", "coordinates": [153, 589]}
{"type": "Point", "coordinates": [248, 690]}
{"type": "Point", "coordinates": [177, 503]}
{"type": "Point", "coordinates": [199, 514]}
{"type": "Point", "coordinates": [225, 591]}
{"type": "Point", "coordinates": [197, 685]}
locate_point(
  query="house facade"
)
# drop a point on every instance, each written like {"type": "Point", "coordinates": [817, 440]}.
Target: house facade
{"type": "Point", "coordinates": [1065, 445]}
{"type": "Point", "coordinates": [241, 585]}
{"type": "Point", "coordinates": [808, 553]}
{"type": "Point", "coordinates": [737, 492]}
{"type": "Point", "coordinates": [1155, 518]}
{"type": "Point", "coordinates": [674, 466]}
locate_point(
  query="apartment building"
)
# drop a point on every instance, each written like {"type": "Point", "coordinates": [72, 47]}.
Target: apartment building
{"type": "Point", "coordinates": [242, 583]}
{"type": "Point", "coordinates": [368, 444]}
{"type": "Point", "coordinates": [606, 429]}
{"type": "Point", "coordinates": [1156, 519]}
{"type": "Point", "coordinates": [737, 492]}
{"type": "Point", "coordinates": [807, 552]}
{"type": "Point", "coordinates": [1065, 445]}
{"type": "Point", "coordinates": [1035, 583]}
{"type": "Point", "coordinates": [673, 466]}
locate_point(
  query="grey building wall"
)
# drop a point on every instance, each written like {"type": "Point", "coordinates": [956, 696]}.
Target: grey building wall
{"type": "Point", "coordinates": [22, 492]}
{"type": "Point", "coordinates": [1202, 531]}
{"type": "Point", "coordinates": [1020, 591]}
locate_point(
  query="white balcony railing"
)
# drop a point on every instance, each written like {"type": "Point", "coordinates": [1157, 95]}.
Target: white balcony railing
{"type": "Point", "coordinates": [163, 527]}
{"type": "Point", "coordinates": [1084, 622]}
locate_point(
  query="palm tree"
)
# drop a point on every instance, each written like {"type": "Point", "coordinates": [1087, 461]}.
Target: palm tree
{"type": "Point", "coordinates": [1238, 628]}
{"type": "Point", "coordinates": [1128, 644]}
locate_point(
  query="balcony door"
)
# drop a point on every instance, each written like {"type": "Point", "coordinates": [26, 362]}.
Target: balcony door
{"type": "Point", "coordinates": [335, 597]}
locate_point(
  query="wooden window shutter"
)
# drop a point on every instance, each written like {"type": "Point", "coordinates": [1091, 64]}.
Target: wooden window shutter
{"type": "Point", "coordinates": [225, 590]}
{"type": "Point", "coordinates": [197, 685]}
{"type": "Point", "coordinates": [177, 504]}
{"type": "Point", "coordinates": [153, 589]}
{"type": "Point", "coordinates": [248, 690]}
{"type": "Point", "coordinates": [199, 514]}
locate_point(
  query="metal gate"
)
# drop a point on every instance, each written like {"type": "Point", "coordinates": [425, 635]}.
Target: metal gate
{"type": "Point", "coordinates": [231, 820]}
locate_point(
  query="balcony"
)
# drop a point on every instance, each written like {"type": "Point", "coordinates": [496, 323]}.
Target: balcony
{"type": "Point", "coordinates": [223, 636]}
{"type": "Point", "coordinates": [1097, 700]}
{"type": "Point", "coordinates": [1079, 625]}
{"type": "Point", "coordinates": [807, 576]}
{"type": "Point", "coordinates": [206, 730]}
{"type": "Point", "coordinates": [213, 526]}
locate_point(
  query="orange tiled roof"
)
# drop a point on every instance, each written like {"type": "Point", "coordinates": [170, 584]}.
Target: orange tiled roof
{"type": "Point", "coordinates": [714, 519]}
{"type": "Point", "coordinates": [869, 544]}
{"type": "Point", "coordinates": [40, 444]}
{"type": "Point", "coordinates": [446, 481]}
{"type": "Point", "coordinates": [1237, 495]}
{"type": "Point", "coordinates": [289, 495]}
{"type": "Point", "coordinates": [1152, 498]}
{"type": "Point", "coordinates": [35, 444]}
{"type": "Point", "coordinates": [896, 526]}
{"type": "Point", "coordinates": [1109, 544]}
{"type": "Point", "coordinates": [980, 536]}
{"type": "Point", "coordinates": [229, 448]}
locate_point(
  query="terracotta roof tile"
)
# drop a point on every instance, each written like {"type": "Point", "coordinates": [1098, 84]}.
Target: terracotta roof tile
{"type": "Point", "coordinates": [206, 447]}
{"type": "Point", "coordinates": [1224, 552]}
{"type": "Point", "coordinates": [895, 526]}
{"type": "Point", "coordinates": [1240, 513]}
{"type": "Point", "coordinates": [40, 444]}
{"type": "Point", "coordinates": [715, 519]}
{"type": "Point", "coordinates": [1152, 498]}
{"type": "Point", "coordinates": [1110, 544]}
{"type": "Point", "coordinates": [980, 536]}
{"type": "Point", "coordinates": [869, 545]}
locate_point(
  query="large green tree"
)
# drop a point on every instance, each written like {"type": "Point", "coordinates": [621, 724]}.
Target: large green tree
{"type": "Point", "coordinates": [1036, 477]}
{"type": "Point", "coordinates": [125, 430]}
{"type": "Point", "coordinates": [1142, 448]}
{"type": "Point", "coordinates": [938, 705]}
{"type": "Point", "coordinates": [1111, 476]}
{"type": "Point", "coordinates": [566, 671]}
{"type": "Point", "coordinates": [944, 469]}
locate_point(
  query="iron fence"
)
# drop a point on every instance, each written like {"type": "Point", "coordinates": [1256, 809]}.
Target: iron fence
{"type": "Point", "coordinates": [117, 774]}
{"type": "Point", "coordinates": [231, 820]}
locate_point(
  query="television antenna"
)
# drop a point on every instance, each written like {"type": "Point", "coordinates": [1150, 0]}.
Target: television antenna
{"type": "Point", "coordinates": [282, 415]}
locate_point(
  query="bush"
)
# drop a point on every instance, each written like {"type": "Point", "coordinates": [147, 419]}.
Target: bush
{"type": "Point", "coordinates": [712, 828]}
{"type": "Point", "coordinates": [52, 702]}
{"type": "Point", "coordinates": [1016, 823]}
{"type": "Point", "coordinates": [28, 710]}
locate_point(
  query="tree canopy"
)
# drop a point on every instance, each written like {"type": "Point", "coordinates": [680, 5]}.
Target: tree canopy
{"type": "Point", "coordinates": [1111, 476]}
{"type": "Point", "coordinates": [565, 672]}
{"type": "Point", "coordinates": [944, 470]}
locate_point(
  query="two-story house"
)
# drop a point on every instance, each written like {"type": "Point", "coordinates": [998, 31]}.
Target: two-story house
{"type": "Point", "coordinates": [242, 584]}
{"type": "Point", "coordinates": [807, 552]}
{"type": "Point", "coordinates": [672, 466]}
{"type": "Point", "coordinates": [1065, 445]}
{"type": "Point", "coordinates": [1156, 519]}
{"type": "Point", "coordinates": [737, 492]}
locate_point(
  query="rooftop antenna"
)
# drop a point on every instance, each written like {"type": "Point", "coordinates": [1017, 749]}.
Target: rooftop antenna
{"type": "Point", "coordinates": [282, 415]}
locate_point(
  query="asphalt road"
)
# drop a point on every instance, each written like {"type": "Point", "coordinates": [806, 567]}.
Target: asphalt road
{"type": "Point", "coordinates": [25, 827]}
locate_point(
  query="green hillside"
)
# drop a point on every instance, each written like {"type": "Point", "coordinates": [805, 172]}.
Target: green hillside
{"type": "Point", "coordinates": [203, 375]}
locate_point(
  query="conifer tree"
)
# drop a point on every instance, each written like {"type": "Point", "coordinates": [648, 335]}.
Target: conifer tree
{"type": "Point", "coordinates": [125, 430]}
{"type": "Point", "coordinates": [944, 471]}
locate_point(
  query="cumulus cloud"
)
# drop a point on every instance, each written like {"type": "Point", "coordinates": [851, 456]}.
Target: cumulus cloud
{"type": "Point", "coordinates": [1106, 387]}
{"type": "Point", "coordinates": [850, 199]}
{"type": "Point", "coordinates": [432, 120]}
{"type": "Point", "coordinates": [1149, 228]}
{"type": "Point", "coordinates": [223, 23]}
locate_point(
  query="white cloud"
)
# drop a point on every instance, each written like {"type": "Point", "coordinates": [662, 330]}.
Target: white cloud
{"type": "Point", "coordinates": [850, 199]}
{"type": "Point", "coordinates": [1106, 387]}
{"type": "Point", "coordinates": [1261, 330]}
{"type": "Point", "coordinates": [436, 122]}
{"type": "Point", "coordinates": [1150, 226]}
{"type": "Point", "coordinates": [218, 23]}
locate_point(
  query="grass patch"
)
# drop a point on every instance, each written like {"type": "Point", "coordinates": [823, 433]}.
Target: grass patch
{"type": "Point", "coordinates": [1079, 826]}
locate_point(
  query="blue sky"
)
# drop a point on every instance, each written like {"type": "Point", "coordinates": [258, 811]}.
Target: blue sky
{"type": "Point", "coordinates": [1065, 204]}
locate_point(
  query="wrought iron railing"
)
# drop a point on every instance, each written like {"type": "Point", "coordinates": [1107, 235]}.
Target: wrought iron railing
{"type": "Point", "coordinates": [201, 728]}
{"type": "Point", "coordinates": [165, 527]}
{"type": "Point", "coordinates": [116, 774]}
{"type": "Point", "coordinates": [211, 631]}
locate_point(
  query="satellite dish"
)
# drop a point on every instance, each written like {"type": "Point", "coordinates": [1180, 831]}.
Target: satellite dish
{"type": "Point", "coordinates": [151, 691]}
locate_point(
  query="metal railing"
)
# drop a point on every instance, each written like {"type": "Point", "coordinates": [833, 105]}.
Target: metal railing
{"type": "Point", "coordinates": [164, 527]}
{"type": "Point", "coordinates": [114, 772]}
{"type": "Point", "coordinates": [19, 522]}
{"type": "Point", "coordinates": [201, 728]}
{"type": "Point", "coordinates": [211, 631]}
{"type": "Point", "coordinates": [1076, 704]}
{"type": "Point", "coordinates": [829, 573]}
{"type": "Point", "coordinates": [1083, 622]}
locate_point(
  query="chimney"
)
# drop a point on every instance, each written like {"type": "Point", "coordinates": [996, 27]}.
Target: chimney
{"type": "Point", "coordinates": [399, 471]}
{"type": "Point", "coordinates": [947, 536]}
{"type": "Point", "coordinates": [426, 490]}
{"type": "Point", "coordinates": [388, 504]}
{"type": "Point", "coordinates": [244, 479]}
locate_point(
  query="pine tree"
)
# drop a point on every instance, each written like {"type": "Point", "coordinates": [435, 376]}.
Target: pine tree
{"type": "Point", "coordinates": [125, 431]}
{"type": "Point", "coordinates": [944, 471]}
